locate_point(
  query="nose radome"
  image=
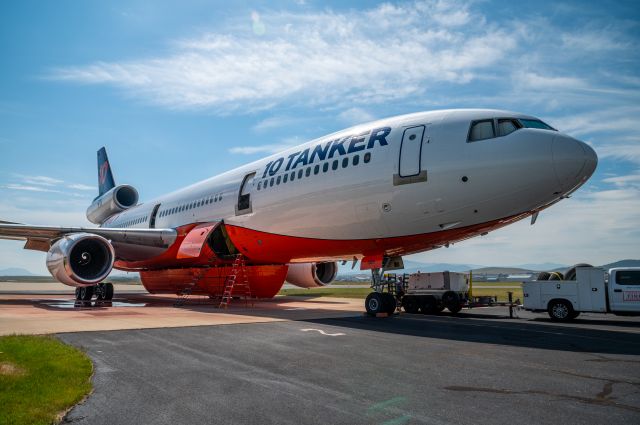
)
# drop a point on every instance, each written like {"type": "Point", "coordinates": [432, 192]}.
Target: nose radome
{"type": "Point", "coordinates": [574, 161]}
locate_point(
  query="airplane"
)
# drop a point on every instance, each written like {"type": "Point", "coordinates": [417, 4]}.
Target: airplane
{"type": "Point", "coordinates": [371, 193]}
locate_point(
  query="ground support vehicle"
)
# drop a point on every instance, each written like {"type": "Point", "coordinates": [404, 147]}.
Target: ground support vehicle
{"type": "Point", "coordinates": [592, 290]}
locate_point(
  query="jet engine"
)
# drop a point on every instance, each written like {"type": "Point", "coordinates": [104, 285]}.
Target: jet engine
{"type": "Point", "coordinates": [80, 259]}
{"type": "Point", "coordinates": [112, 202]}
{"type": "Point", "coordinates": [312, 275]}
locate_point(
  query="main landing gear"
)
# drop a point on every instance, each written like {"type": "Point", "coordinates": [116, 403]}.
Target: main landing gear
{"type": "Point", "coordinates": [379, 301]}
{"type": "Point", "coordinates": [103, 292]}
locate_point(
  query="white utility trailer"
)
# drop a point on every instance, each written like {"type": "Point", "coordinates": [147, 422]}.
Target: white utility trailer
{"type": "Point", "coordinates": [594, 290]}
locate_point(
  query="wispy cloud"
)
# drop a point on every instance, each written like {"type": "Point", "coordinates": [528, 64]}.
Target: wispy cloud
{"type": "Point", "coordinates": [267, 148]}
{"type": "Point", "coordinates": [39, 180]}
{"type": "Point", "coordinates": [79, 186]}
{"type": "Point", "coordinates": [313, 58]}
{"type": "Point", "coordinates": [29, 188]}
{"type": "Point", "coordinates": [353, 116]}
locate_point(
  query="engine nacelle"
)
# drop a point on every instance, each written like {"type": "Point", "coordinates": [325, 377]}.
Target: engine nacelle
{"type": "Point", "coordinates": [80, 259]}
{"type": "Point", "coordinates": [114, 201]}
{"type": "Point", "coordinates": [312, 275]}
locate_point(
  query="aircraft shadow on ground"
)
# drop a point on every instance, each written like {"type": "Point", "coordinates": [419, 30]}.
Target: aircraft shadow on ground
{"type": "Point", "coordinates": [488, 331]}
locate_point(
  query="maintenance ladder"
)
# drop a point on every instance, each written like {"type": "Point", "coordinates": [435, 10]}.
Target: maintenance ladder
{"type": "Point", "coordinates": [237, 284]}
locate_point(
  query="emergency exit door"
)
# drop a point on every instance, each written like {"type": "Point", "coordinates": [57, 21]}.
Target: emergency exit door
{"type": "Point", "coordinates": [410, 167]}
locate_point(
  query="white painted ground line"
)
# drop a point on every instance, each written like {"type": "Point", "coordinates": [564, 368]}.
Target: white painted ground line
{"type": "Point", "coordinates": [322, 332]}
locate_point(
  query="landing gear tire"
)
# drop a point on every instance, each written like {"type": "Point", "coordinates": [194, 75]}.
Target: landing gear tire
{"type": "Point", "coordinates": [104, 291]}
{"type": "Point", "coordinates": [390, 303]}
{"type": "Point", "coordinates": [78, 294]}
{"type": "Point", "coordinates": [429, 305]}
{"type": "Point", "coordinates": [86, 293]}
{"type": "Point", "coordinates": [374, 304]}
{"type": "Point", "coordinates": [560, 311]}
{"type": "Point", "coordinates": [411, 304]}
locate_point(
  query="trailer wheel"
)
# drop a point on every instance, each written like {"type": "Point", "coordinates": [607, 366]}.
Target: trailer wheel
{"type": "Point", "coordinates": [374, 304]}
{"type": "Point", "coordinates": [429, 305]}
{"type": "Point", "coordinates": [560, 310]}
{"type": "Point", "coordinates": [571, 273]}
{"type": "Point", "coordinates": [451, 300]}
{"type": "Point", "coordinates": [411, 304]}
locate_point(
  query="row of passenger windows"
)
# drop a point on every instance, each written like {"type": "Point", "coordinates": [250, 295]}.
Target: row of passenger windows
{"type": "Point", "coordinates": [133, 222]}
{"type": "Point", "coordinates": [490, 128]}
{"type": "Point", "coordinates": [306, 172]}
{"type": "Point", "coordinates": [195, 204]}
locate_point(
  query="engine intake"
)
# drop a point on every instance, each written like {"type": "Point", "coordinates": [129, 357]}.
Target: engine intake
{"type": "Point", "coordinates": [312, 275]}
{"type": "Point", "coordinates": [80, 259]}
{"type": "Point", "coordinates": [112, 202]}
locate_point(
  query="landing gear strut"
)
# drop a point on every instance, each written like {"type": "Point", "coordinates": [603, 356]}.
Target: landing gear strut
{"type": "Point", "coordinates": [380, 301]}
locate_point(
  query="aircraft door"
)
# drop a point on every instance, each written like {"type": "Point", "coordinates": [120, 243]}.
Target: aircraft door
{"type": "Point", "coordinates": [152, 219]}
{"type": "Point", "coordinates": [243, 206]}
{"type": "Point", "coordinates": [410, 158]}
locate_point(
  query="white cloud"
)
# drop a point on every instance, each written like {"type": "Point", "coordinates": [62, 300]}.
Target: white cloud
{"type": "Point", "coordinates": [29, 188]}
{"type": "Point", "coordinates": [354, 116]}
{"type": "Point", "coordinates": [267, 148]}
{"type": "Point", "coordinates": [625, 152]}
{"type": "Point", "coordinates": [323, 58]}
{"type": "Point", "coordinates": [39, 180]}
{"type": "Point", "coordinates": [275, 122]}
{"type": "Point", "coordinates": [628, 180]}
{"type": "Point", "coordinates": [80, 186]}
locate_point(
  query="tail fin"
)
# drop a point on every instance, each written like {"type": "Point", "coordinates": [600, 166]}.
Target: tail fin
{"type": "Point", "coordinates": [105, 177]}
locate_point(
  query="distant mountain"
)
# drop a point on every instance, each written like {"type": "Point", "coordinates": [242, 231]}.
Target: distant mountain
{"type": "Point", "coordinates": [501, 270]}
{"type": "Point", "coordinates": [622, 263]}
{"type": "Point", "coordinates": [411, 267]}
{"type": "Point", "coordinates": [15, 271]}
{"type": "Point", "coordinates": [542, 266]}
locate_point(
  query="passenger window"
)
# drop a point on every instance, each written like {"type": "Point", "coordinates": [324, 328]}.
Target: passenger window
{"type": "Point", "coordinates": [367, 157]}
{"type": "Point", "coordinates": [308, 172]}
{"type": "Point", "coordinates": [300, 174]}
{"type": "Point", "coordinates": [507, 127]}
{"type": "Point", "coordinates": [285, 178]}
{"type": "Point", "coordinates": [316, 169]}
{"type": "Point", "coordinates": [259, 185]}
{"type": "Point", "coordinates": [345, 162]}
{"type": "Point", "coordinates": [271, 182]}
{"type": "Point", "coordinates": [334, 166]}
{"type": "Point", "coordinates": [356, 159]}
{"type": "Point", "coordinates": [278, 180]}
{"type": "Point", "coordinates": [293, 176]}
{"type": "Point", "coordinates": [325, 167]}
{"type": "Point", "coordinates": [481, 130]}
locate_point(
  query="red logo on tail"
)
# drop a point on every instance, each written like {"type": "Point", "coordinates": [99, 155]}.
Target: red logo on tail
{"type": "Point", "coordinates": [103, 172]}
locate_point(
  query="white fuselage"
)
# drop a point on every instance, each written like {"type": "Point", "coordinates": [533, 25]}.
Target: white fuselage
{"type": "Point", "coordinates": [435, 181]}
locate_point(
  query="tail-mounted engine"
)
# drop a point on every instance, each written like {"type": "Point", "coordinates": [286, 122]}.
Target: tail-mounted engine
{"type": "Point", "coordinates": [112, 202]}
{"type": "Point", "coordinates": [80, 259]}
{"type": "Point", "coordinates": [312, 275]}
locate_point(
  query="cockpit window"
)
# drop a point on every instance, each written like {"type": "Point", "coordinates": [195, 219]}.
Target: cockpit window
{"type": "Point", "coordinates": [535, 124]}
{"type": "Point", "coordinates": [481, 130]}
{"type": "Point", "coordinates": [507, 126]}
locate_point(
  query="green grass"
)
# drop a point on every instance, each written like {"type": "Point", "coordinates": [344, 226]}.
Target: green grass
{"type": "Point", "coordinates": [328, 292]}
{"type": "Point", "coordinates": [501, 293]}
{"type": "Point", "coordinates": [40, 377]}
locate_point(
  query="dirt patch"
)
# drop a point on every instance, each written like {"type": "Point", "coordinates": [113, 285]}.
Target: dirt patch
{"type": "Point", "coordinates": [10, 369]}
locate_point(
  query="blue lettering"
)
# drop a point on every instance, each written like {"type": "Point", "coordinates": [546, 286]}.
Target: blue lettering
{"type": "Point", "coordinates": [303, 158]}
{"type": "Point", "coordinates": [293, 155]}
{"type": "Point", "coordinates": [380, 135]}
{"type": "Point", "coordinates": [354, 145]}
{"type": "Point", "coordinates": [338, 146]}
{"type": "Point", "coordinates": [276, 166]}
{"type": "Point", "coordinates": [266, 169]}
{"type": "Point", "coordinates": [320, 152]}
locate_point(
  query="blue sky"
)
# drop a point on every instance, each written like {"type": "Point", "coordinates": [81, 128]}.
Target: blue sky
{"type": "Point", "coordinates": [179, 91]}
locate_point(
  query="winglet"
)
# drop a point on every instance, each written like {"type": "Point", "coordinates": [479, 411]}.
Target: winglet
{"type": "Point", "coordinates": [105, 177]}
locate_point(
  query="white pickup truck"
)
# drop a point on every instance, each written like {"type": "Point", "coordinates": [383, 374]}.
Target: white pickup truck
{"type": "Point", "coordinates": [591, 291]}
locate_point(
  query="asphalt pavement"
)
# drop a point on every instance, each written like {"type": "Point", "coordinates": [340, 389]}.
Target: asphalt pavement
{"type": "Point", "coordinates": [476, 368]}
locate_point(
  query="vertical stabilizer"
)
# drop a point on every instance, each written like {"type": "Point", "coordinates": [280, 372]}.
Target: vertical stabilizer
{"type": "Point", "coordinates": [105, 177]}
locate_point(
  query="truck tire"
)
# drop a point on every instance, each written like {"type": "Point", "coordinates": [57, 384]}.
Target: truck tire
{"type": "Point", "coordinates": [575, 314]}
{"type": "Point", "coordinates": [429, 305]}
{"type": "Point", "coordinates": [411, 304]}
{"type": "Point", "coordinates": [571, 273]}
{"type": "Point", "coordinates": [556, 276]}
{"type": "Point", "coordinates": [374, 304]}
{"type": "Point", "coordinates": [560, 310]}
{"type": "Point", "coordinates": [543, 276]}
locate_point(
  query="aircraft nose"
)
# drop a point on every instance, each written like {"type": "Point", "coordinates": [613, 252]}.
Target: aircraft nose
{"type": "Point", "coordinates": [574, 161]}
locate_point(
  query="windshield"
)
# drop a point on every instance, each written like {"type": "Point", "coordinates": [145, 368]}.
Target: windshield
{"type": "Point", "coordinates": [535, 124]}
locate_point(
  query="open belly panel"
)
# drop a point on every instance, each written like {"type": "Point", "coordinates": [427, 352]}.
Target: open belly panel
{"type": "Point", "coordinates": [265, 281]}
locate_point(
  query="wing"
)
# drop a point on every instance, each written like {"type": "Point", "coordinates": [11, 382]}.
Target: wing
{"type": "Point", "coordinates": [41, 237]}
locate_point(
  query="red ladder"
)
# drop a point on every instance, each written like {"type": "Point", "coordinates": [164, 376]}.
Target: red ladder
{"type": "Point", "coordinates": [236, 287]}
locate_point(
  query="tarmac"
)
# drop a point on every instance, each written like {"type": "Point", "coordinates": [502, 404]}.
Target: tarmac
{"type": "Point", "coordinates": [296, 360]}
